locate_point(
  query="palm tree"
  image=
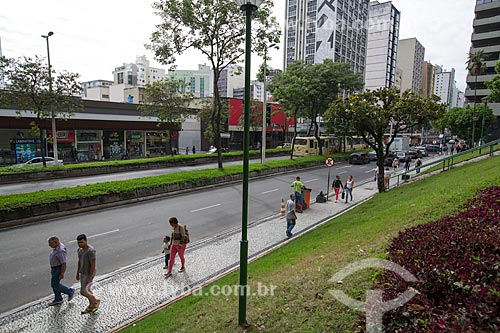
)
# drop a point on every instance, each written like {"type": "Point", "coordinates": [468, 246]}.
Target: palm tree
{"type": "Point", "coordinates": [476, 66]}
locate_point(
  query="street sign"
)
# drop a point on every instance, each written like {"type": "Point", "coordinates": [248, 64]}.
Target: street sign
{"type": "Point", "coordinates": [329, 162]}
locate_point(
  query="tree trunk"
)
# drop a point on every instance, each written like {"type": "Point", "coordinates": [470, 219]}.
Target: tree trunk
{"type": "Point", "coordinates": [42, 144]}
{"type": "Point", "coordinates": [216, 117]}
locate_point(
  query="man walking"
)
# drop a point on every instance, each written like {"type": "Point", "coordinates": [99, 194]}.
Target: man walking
{"type": "Point", "coordinates": [57, 259]}
{"type": "Point", "coordinates": [290, 215]}
{"type": "Point", "coordinates": [86, 272]}
{"type": "Point", "coordinates": [297, 188]}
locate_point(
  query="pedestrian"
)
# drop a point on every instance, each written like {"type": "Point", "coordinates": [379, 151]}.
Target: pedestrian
{"type": "Point", "coordinates": [194, 150]}
{"type": "Point", "coordinates": [349, 185]}
{"type": "Point", "coordinates": [297, 188]}
{"type": "Point", "coordinates": [187, 150]}
{"type": "Point", "coordinates": [395, 164]}
{"type": "Point", "coordinates": [290, 215]}
{"type": "Point", "coordinates": [178, 245]}
{"type": "Point", "coordinates": [86, 272]}
{"type": "Point", "coordinates": [337, 185]}
{"type": "Point", "coordinates": [166, 250]}
{"type": "Point", "coordinates": [407, 163]}
{"type": "Point", "coordinates": [418, 163]}
{"type": "Point", "coordinates": [387, 177]}
{"type": "Point", "coordinates": [57, 260]}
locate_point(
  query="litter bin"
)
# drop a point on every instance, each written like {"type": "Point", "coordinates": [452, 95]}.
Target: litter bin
{"type": "Point", "coordinates": [306, 192]}
{"type": "Point", "coordinates": [405, 177]}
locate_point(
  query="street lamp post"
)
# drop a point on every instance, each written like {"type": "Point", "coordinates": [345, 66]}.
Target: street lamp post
{"type": "Point", "coordinates": [53, 118]}
{"type": "Point", "coordinates": [248, 6]}
{"type": "Point", "coordinates": [264, 112]}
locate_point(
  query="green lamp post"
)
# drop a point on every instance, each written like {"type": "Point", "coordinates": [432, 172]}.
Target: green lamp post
{"type": "Point", "coordinates": [52, 116]}
{"type": "Point", "coordinates": [248, 6]}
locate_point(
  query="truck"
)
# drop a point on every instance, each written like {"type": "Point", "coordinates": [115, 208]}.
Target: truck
{"type": "Point", "coordinates": [400, 144]}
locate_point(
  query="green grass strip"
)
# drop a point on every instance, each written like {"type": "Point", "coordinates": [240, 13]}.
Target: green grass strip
{"type": "Point", "coordinates": [301, 269]}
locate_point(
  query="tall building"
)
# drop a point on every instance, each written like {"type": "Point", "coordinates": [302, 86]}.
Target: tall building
{"type": "Point", "coordinates": [326, 29]}
{"type": "Point", "coordinates": [428, 73]}
{"type": "Point", "coordinates": [382, 46]}
{"type": "Point", "coordinates": [231, 78]}
{"type": "Point", "coordinates": [445, 86]}
{"type": "Point", "coordinates": [485, 37]}
{"type": "Point", "coordinates": [198, 82]}
{"type": "Point", "coordinates": [2, 82]}
{"type": "Point", "coordinates": [411, 61]}
{"type": "Point", "coordinates": [147, 74]}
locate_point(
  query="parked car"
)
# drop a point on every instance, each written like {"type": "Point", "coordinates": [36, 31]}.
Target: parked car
{"type": "Point", "coordinates": [359, 158]}
{"type": "Point", "coordinates": [401, 155]}
{"type": "Point", "coordinates": [372, 155]}
{"type": "Point", "coordinates": [432, 148]}
{"type": "Point", "coordinates": [38, 161]}
{"type": "Point", "coordinates": [415, 153]}
{"type": "Point", "coordinates": [424, 151]}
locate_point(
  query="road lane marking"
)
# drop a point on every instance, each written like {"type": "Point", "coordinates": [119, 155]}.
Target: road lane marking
{"type": "Point", "coordinates": [371, 171]}
{"type": "Point", "coordinates": [104, 233]}
{"type": "Point", "coordinates": [197, 210]}
{"type": "Point", "coordinates": [266, 192]}
{"type": "Point", "coordinates": [347, 166]}
{"type": "Point", "coordinates": [341, 173]}
{"type": "Point", "coordinates": [312, 180]}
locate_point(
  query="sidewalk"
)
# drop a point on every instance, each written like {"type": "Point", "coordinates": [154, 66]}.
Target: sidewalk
{"type": "Point", "coordinates": [131, 292]}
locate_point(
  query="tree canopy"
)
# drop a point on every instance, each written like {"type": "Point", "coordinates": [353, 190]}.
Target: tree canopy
{"type": "Point", "coordinates": [308, 89]}
{"type": "Point", "coordinates": [494, 85]}
{"type": "Point", "coordinates": [372, 114]}
{"type": "Point", "coordinates": [216, 28]}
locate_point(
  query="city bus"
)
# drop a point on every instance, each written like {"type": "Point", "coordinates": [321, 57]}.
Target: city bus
{"type": "Point", "coordinates": [308, 146]}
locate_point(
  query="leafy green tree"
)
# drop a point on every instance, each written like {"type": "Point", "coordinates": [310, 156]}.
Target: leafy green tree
{"type": "Point", "coordinates": [308, 89]}
{"type": "Point", "coordinates": [494, 85]}
{"type": "Point", "coordinates": [216, 28]}
{"type": "Point", "coordinates": [165, 101]}
{"type": "Point", "coordinates": [27, 87]}
{"type": "Point", "coordinates": [260, 72]}
{"type": "Point", "coordinates": [205, 115]}
{"type": "Point", "coordinates": [371, 114]}
{"type": "Point", "coordinates": [476, 66]}
{"type": "Point", "coordinates": [459, 120]}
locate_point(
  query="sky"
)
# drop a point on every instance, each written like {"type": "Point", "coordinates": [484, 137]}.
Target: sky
{"type": "Point", "coordinates": [93, 37]}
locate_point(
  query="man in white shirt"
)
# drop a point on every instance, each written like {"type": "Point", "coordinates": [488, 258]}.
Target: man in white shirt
{"type": "Point", "coordinates": [290, 215]}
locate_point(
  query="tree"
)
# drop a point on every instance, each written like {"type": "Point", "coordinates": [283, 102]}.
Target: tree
{"type": "Point", "coordinates": [314, 88]}
{"type": "Point", "coordinates": [458, 120]}
{"type": "Point", "coordinates": [216, 28]}
{"type": "Point", "coordinates": [260, 72]}
{"type": "Point", "coordinates": [476, 66]}
{"type": "Point", "coordinates": [371, 113]}
{"type": "Point", "coordinates": [165, 101]}
{"type": "Point", "coordinates": [205, 115]}
{"type": "Point", "coordinates": [494, 85]}
{"type": "Point", "coordinates": [27, 87]}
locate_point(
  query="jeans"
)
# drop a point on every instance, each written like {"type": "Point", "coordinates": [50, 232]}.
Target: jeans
{"type": "Point", "coordinates": [290, 223]}
{"type": "Point", "coordinates": [299, 199]}
{"type": "Point", "coordinates": [347, 192]}
{"type": "Point", "coordinates": [56, 285]}
{"type": "Point", "coordinates": [167, 258]}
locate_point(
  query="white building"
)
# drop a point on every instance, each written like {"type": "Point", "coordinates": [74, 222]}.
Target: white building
{"type": "Point", "coordinates": [411, 61]}
{"type": "Point", "coordinates": [198, 82]}
{"type": "Point", "coordinates": [445, 86]}
{"type": "Point", "coordinates": [231, 78]}
{"type": "Point", "coordinates": [147, 74]}
{"type": "Point", "coordinates": [97, 90]}
{"type": "Point", "coordinates": [382, 46]}
{"type": "Point", "coordinates": [330, 29]}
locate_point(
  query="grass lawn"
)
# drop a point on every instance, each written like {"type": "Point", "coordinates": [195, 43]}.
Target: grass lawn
{"type": "Point", "coordinates": [301, 269]}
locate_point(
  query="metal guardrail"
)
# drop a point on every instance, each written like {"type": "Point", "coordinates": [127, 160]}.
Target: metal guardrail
{"type": "Point", "coordinates": [447, 162]}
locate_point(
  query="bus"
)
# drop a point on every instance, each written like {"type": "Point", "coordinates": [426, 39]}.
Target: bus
{"type": "Point", "coordinates": [308, 145]}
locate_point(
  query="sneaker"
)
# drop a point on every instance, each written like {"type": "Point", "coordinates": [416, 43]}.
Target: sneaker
{"type": "Point", "coordinates": [165, 267]}
{"type": "Point", "coordinates": [71, 294]}
{"type": "Point", "coordinates": [55, 303]}
{"type": "Point", "coordinates": [288, 234]}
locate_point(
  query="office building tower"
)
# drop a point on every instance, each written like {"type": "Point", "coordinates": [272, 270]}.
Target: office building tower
{"type": "Point", "coordinates": [198, 82]}
{"type": "Point", "coordinates": [316, 30]}
{"type": "Point", "coordinates": [486, 38]}
{"type": "Point", "coordinates": [382, 46]}
{"type": "Point", "coordinates": [445, 86]}
{"type": "Point", "coordinates": [411, 61]}
{"type": "Point", "coordinates": [428, 74]}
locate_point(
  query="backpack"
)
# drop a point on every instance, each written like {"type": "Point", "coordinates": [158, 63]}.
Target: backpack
{"type": "Point", "coordinates": [186, 239]}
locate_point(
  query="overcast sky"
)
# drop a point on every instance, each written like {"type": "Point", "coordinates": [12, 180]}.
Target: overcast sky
{"type": "Point", "coordinates": [93, 37]}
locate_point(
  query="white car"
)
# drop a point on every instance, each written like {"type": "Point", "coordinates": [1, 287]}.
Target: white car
{"type": "Point", "coordinates": [38, 161]}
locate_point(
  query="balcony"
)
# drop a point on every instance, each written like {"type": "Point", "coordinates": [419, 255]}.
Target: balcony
{"type": "Point", "coordinates": [480, 78]}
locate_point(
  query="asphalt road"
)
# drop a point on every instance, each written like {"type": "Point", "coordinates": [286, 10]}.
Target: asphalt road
{"type": "Point", "coordinates": [80, 181]}
{"type": "Point", "coordinates": [129, 234]}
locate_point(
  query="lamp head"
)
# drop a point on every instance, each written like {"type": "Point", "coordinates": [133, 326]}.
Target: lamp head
{"type": "Point", "coordinates": [253, 4]}
{"type": "Point", "coordinates": [50, 33]}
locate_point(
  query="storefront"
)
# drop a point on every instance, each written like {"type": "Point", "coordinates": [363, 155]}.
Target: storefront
{"type": "Point", "coordinates": [113, 144]}
{"type": "Point", "coordinates": [88, 145]}
{"type": "Point", "coordinates": [157, 143]}
{"type": "Point", "coordinates": [135, 144]}
{"type": "Point", "coordinates": [65, 145]}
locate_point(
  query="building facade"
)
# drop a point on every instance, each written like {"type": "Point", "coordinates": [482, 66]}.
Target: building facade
{"type": "Point", "coordinates": [198, 82]}
{"type": "Point", "coordinates": [231, 78]}
{"type": "Point", "coordinates": [316, 30]}
{"type": "Point", "coordinates": [382, 46]}
{"type": "Point", "coordinates": [428, 74]}
{"type": "Point", "coordinates": [445, 86]}
{"type": "Point", "coordinates": [485, 37]}
{"type": "Point", "coordinates": [411, 61]}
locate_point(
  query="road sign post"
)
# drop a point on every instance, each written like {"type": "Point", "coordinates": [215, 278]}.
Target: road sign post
{"type": "Point", "coordinates": [329, 163]}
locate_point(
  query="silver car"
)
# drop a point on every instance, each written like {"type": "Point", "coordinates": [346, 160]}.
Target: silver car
{"type": "Point", "coordinates": [38, 161]}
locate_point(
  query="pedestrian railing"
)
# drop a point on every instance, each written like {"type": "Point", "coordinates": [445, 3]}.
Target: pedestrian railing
{"type": "Point", "coordinates": [446, 163]}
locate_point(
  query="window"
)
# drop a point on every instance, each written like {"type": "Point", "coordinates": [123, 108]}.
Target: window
{"type": "Point", "coordinates": [119, 78]}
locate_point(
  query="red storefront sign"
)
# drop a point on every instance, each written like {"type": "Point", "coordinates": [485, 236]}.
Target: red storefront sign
{"type": "Point", "coordinates": [64, 136]}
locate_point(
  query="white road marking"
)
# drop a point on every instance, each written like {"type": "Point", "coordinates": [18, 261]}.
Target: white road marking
{"type": "Point", "coordinates": [93, 236]}
{"type": "Point", "coordinates": [266, 192]}
{"type": "Point", "coordinates": [197, 210]}
{"type": "Point", "coordinates": [370, 171]}
{"type": "Point", "coordinates": [312, 180]}
{"type": "Point", "coordinates": [341, 173]}
{"type": "Point", "coordinates": [347, 166]}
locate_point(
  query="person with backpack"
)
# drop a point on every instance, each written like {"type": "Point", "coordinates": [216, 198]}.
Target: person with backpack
{"type": "Point", "coordinates": [418, 163]}
{"type": "Point", "coordinates": [179, 240]}
{"type": "Point", "coordinates": [337, 185]}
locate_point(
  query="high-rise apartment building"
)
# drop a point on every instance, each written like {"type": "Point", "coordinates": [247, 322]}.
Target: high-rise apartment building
{"type": "Point", "coordinates": [485, 37]}
{"type": "Point", "coordinates": [428, 74]}
{"type": "Point", "coordinates": [445, 86]}
{"type": "Point", "coordinates": [411, 61]}
{"type": "Point", "coordinates": [198, 82]}
{"type": "Point", "coordinates": [316, 30]}
{"type": "Point", "coordinates": [138, 73]}
{"type": "Point", "coordinates": [382, 46]}
{"type": "Point", "coordinates": [231, 78]}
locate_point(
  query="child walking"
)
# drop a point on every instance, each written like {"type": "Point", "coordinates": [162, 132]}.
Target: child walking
{"type": "Point", "coordinates": [166, 250]}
